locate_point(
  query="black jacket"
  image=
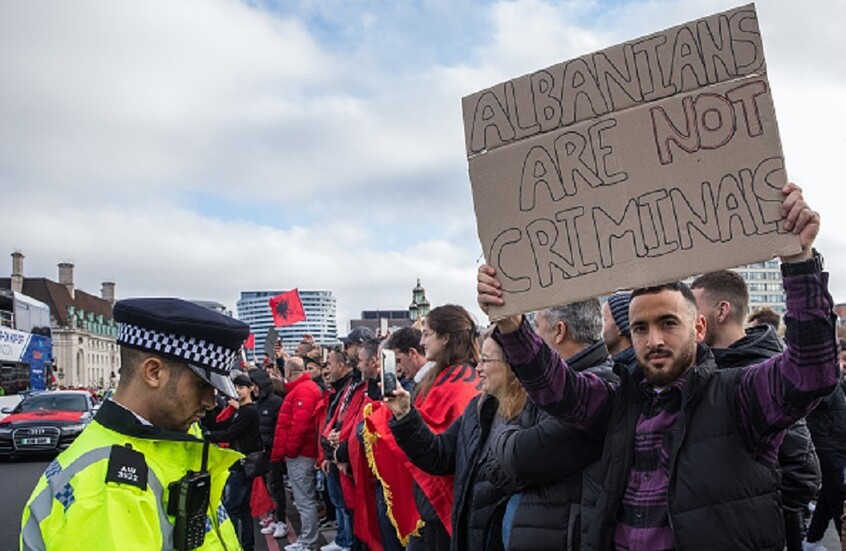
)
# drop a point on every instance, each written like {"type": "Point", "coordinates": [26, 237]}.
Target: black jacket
{"type": "Point", "coordinates": [268, 405]}
{"type": "Point", "coordinates": [546, 516]}
{"type": "Point", "coordinates": [735, 506]}
{"type": "Point", "coordinates": [241, 431]}
{"type": "Point", "coordinates": [800, 468]}
{"type": "Point", "coordinates": [457, 451]}
{"type": "Point", "coordinates": [828, 429]}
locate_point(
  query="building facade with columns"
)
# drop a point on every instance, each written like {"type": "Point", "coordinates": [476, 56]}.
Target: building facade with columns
{"type": "Point", "coordinates": [85, 352]}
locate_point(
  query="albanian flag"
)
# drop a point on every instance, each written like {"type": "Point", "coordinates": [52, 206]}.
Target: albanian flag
{"type": "Point", "coordinates": [287, 308]}
{"type": "Point", "coordinates": [250, 343]}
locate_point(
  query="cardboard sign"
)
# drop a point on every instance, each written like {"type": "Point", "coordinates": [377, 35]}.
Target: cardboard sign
{"type": "Point", "coordinates": [639, 164]}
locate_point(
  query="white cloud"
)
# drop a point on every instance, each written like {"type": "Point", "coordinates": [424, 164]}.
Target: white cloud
{"type": "Point", "coordinates": [201, 148]}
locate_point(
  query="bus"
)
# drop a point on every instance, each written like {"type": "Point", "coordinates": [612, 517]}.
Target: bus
{"type": "Point", "coordinates": [26, 345]}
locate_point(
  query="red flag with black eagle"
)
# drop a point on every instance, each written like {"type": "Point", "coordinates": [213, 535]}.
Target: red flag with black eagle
{"type": "Point", "coordinates": [390, 466]}
{"type": "Point", "coordinates": [287, 308]}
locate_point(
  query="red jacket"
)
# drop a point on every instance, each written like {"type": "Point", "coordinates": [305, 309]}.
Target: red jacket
{"type": "Point", "coordinates": [296, 426]}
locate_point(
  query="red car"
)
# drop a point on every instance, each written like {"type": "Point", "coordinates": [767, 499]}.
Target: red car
{"type": "Point", "coordinates": [45, 422]}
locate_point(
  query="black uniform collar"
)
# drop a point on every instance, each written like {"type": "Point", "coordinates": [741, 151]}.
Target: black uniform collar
{"type": "Point", "coordinates": [119, 419]}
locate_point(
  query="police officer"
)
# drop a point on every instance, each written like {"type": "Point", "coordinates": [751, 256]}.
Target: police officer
{"type": "Point", "coordinates": [139, 477]}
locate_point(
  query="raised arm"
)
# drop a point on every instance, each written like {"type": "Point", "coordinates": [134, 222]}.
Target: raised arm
{"type": "Point", "coordinates": [434, 453]}
{"type": "Point", "coordinates": [774, 394]}
{"type": "Point", "coordinates": [582, 399]}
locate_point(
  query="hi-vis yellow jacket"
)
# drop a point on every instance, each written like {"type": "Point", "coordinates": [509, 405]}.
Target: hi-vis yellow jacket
{"type": "Point", "coordinates": [95, 496]}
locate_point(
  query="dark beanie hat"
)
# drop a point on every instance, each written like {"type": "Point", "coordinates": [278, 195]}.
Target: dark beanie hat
{"type": "Point", "coordinates": [619, 304]}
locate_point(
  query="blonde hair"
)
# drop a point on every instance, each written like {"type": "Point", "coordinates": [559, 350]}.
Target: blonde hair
{"type": "Point", "coordinates": [512, 399]}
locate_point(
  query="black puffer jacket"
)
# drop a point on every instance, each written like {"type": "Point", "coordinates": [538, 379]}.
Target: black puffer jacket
{"type": "Point", "coordinates": [240, 431]}
{"type": "Point", "coordinates": [797, 459]}
{"type": "Point", "coordinates": [268, 405]}
{"type": "Point", "coordinates": [828, 429]}
{"type": "Point", "coordinates": [457, 451]}
{"type": "Point", "coordinates": [543, 458]}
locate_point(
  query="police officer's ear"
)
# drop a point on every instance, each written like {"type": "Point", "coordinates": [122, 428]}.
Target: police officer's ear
{"type": "Point", "coordinates": [153, 372]}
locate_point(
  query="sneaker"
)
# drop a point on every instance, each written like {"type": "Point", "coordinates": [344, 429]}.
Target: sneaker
{"type": "Point", "coordinates": [296, 546]}
{"type": "Point", "coordinates": [268, 529]}
{"type": "Point", "coordinates": [812, 546]}
{"type": "Point", "coordinates": [280, 530]}
{"type": "Point", "coordinates": [327, 523]}
{"type": "Point", "coordinates": [332, 547]}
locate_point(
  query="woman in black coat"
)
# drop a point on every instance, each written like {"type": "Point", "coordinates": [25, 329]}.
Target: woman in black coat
{"type": "Point", "coordinates": [241, 431]}
{"type": "Point", "coordinates": [464, 449]}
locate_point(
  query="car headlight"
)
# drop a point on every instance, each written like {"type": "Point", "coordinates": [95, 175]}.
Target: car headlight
{"type": "Point", "coordinates": [72, 429]}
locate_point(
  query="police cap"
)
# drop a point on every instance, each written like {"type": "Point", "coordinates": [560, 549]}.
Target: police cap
{"type": "Point", "coordinates": [207, 341]}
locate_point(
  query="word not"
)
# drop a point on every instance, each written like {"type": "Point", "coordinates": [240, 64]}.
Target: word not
{"type": "Point", "coordinates": [709, 120]}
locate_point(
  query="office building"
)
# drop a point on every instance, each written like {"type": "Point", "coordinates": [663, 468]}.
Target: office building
{"type": "Point", "coordinates": [765, 287]}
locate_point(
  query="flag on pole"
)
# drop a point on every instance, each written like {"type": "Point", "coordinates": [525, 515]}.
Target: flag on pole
{"type": "Point", "coordinates": [250, 342]}
{"type": "Point", "coordinates": [287, 308]}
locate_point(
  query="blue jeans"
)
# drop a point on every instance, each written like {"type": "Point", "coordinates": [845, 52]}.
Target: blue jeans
{"type": "Point", "coordinates": [236, 501]}
{"type": "Point", "coordinates": [344, 536]}
{"type": "Point", "coordinates": [508, 518]}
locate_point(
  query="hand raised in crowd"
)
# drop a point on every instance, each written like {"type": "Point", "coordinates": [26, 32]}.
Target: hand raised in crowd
{"type": "Point", "coordinates": [279, 351]}
{"type": "Point", "coordinates": [800, 220]}
{"type": "Point", "coordinates": [489, 293]}
{"type": "Point", "coordinates": [234, 403]}
{"type": "Point", "coordinates": [399, 403]}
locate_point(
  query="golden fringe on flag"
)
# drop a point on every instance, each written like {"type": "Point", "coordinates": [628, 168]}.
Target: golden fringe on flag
{"type": "Point", "coordinates": [370, 437]}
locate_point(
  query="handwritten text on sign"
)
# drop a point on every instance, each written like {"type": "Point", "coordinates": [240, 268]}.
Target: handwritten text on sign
{"type": "Point", "coordinates": [630, 166]}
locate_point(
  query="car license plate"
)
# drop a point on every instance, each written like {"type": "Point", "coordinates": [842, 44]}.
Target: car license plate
{"type": "Point", "coordinates": [34, 441]}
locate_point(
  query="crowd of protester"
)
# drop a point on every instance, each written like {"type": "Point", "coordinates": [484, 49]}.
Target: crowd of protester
{"type": "Point", "coordinates": [461, 457]}
{"type": "Point", "coordinates": [662, 418]}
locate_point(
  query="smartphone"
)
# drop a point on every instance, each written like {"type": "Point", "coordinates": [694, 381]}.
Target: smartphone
{"type": "Point", "coordinates": [389, 373]}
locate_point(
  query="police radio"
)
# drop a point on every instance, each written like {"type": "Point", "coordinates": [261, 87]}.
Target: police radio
{"type": "Point", "coordinates": [188, 503]}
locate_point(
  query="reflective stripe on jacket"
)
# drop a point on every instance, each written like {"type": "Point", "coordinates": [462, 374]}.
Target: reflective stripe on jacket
{"type": "Point", "coordinates": [74, 507]}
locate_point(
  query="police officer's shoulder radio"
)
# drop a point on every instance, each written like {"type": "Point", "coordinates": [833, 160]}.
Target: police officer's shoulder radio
{"type": "Point", "coordinates": [189, 503]}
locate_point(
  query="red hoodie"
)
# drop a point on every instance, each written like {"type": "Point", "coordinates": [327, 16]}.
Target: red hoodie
{"type": "Point", "coordinates": [296, 426]}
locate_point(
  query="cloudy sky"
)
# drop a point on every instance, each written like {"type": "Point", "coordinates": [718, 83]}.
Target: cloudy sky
{"type": "Point", "coordinates": [199, 148]}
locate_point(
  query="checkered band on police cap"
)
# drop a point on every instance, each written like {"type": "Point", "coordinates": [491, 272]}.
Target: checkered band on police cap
{"type": "Point", "coordinates": [199, 352]}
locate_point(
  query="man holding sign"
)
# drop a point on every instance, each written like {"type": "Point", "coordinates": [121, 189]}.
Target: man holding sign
{"type": "Point", "coordinates": [690, 452]}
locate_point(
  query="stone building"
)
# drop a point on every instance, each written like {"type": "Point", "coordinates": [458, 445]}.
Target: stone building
{"type": "Point", "coordinates": [85, 353]}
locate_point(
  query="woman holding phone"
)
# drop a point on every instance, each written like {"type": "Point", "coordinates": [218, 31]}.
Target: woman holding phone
{"type": "Point", "coordinates": [450, 343]}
